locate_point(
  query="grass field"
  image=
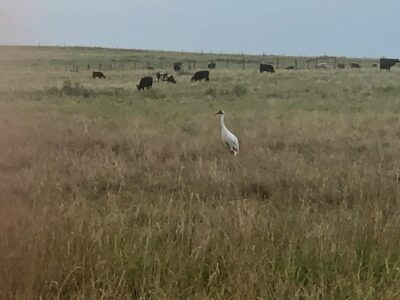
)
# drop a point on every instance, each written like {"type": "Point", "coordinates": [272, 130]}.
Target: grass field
{"type": "Point", "coordinates": [111, 193]}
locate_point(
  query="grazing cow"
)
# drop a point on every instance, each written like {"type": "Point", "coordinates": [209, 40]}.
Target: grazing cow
{"type": "Point", "coordinates": [290, 68]}
{"type": "Point", "coordinates": [387, 63]}
{"type": "Point", "coordinates": [211, 65]}
{"type": "Point", "coordinates": [177, 66]}
{"type": "Point", "coordinates": [160, 75]}
{"type": "Point", "coordinates": [374, 65]}
{"type": "Point", "coordinates": [97, 74]}
{"type": "Point", "coordinates": [341, 65]}
{"type": "Point", "coordinates": [322, 66]}
{"type": "Point", "coordinates": [267, 68]}
{"type": "Point", "coordinates": [170, 79]}
{"type": "Point", "coordinates": [145, 82]}
{"type": "Point", "coordinates": [200, 75]}
{"type": "Point", "coordinates": [354, 65]}
{"type": "Point", "coordinates": [165, 77]}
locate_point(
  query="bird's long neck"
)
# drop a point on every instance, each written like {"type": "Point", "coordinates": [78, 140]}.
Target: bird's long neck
{"type": "Point", "coordinates": [222, 123]}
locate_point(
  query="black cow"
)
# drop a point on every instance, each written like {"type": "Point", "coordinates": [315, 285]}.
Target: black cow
{"type": "Point", "coordinates": [290, 68]}
{"type": "Point", "coordinates": [387, 63]}
{"type": "Point", "coordinates": [211, 65]}
{"type": "Point", "coordinates": [177, 66]}
{"type": "Point", "coordinates": [354, 65]}
{"type": "Point", "coordinates": [97, 74]}
{"type": "Point", "coordinates": [341, 65]}
{"type": "Point", "coordinates": [374, 65]}
{"type": "Point", "coordinates": [267, 68]}
{"type": "Point", "coordinates": [200, 75]}
{"type": "Point", "coordinates": [145, 82]}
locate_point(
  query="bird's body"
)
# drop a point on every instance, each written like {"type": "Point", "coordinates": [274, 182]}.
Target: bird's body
{"type": "Point", "coordinates": [228, 138]}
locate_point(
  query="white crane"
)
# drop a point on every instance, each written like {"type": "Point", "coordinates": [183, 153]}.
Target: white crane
{"type": "Point", "coordinates": [228, 138]}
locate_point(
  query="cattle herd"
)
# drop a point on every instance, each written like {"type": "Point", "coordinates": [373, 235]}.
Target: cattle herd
{"type": "Point", "coordinates": [147, 81]}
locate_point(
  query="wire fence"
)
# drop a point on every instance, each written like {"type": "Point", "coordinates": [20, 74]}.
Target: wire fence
{"type": "Point", "coordinates": [238, 62]}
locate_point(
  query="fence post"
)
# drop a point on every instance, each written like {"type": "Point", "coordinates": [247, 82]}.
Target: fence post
{"type": "Point", "coordinates": [277, 63]}
{"type": "Point", "coordinates": [334, 64]}
{"type": "Point", "coordinates": [194, 63]}
{"type": "Point", "coordinates": [243, 61]}
{"type": "Point", "coordinates": [295, 63]}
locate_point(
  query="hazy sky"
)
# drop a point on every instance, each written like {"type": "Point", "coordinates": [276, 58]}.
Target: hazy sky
{"type": "Point", "coordinates": [362, 28]}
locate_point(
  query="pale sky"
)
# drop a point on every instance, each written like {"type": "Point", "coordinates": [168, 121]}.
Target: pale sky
{"type": "Point", "coordinates": [358, 28]}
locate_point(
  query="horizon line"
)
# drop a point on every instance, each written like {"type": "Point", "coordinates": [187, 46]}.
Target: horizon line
{"type": "Point", "coordinates": [200, 52]}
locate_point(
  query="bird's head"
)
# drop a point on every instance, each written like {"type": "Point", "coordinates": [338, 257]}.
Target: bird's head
{"type": "Point", "coordinates": [221, 112]}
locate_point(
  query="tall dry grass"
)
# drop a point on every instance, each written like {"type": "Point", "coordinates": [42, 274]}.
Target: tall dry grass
{"type": "Point", "coordinates": [108, 193]}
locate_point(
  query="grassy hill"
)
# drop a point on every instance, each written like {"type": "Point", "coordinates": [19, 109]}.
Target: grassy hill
{"type": "Point", "coordinates": [57, 58]}
{"type": "Point", "coordinates": [108, 192]}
